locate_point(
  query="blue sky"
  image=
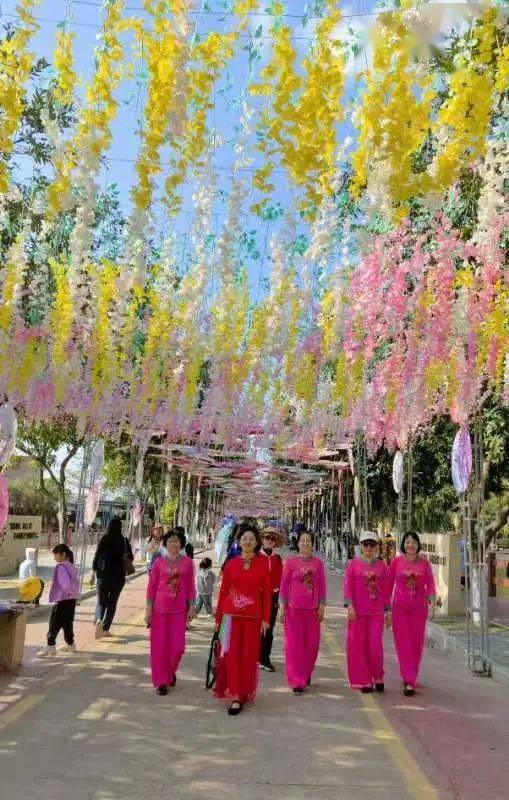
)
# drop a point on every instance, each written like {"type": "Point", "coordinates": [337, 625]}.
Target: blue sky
{"type": "Point", "coordinates": [86, 18]}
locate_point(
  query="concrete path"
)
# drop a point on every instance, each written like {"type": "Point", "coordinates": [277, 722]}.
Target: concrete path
{"type": "Point", "coordinates": [90, 727]}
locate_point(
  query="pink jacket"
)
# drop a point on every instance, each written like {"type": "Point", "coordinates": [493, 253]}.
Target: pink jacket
{"type": "Point", "coordinates": [65, 583]}
{"type": "Point", "coordinates": [410, 584]}
{"type": "Point", "coordinates": [365, 586]}
{"type": "Point", "coordinates": [171, 586]}
{"type": "Point", "coordinates": [303, 583]}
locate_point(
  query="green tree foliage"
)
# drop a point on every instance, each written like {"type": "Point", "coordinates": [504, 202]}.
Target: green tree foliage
{"type": "Point", "coordinates": [52, 446]}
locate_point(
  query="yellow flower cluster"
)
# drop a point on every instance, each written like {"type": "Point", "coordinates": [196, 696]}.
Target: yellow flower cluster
{"type": "Point", "coordinates": [394, 115]}
{"type": "Point", "coordinates": [11, 278]}
{"type": "Point", "coordinates": [103, 363]}
{"type": "Point", "coordinates": [93, 134]}
{"type": "Point", "coordinates": [462, 121]}
{"type": "Point", "coordinates": [61, 325]}
{"type": "Point", "coordinates": [15, 66]}
{"type": "Point", "coordinates": [166, 53]}
{"type": "Point", "coordinates": [280, 82]}
{"type": "Point", "coordinates": [502, 77]}
{"type": "Point", "coordinates": [312, 149]}
{"type": "Point", "coordinates": [63, 61]}
{"type": "Point", "coordinates": [300, 123]}
{"type": "Point", "coordinates": [211, 56]}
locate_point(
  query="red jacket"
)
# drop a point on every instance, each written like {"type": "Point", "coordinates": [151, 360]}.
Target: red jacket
{"type": "Point", "coordinates": [275, 563]}
{"type": "Point", "coordinates": [245, 592]}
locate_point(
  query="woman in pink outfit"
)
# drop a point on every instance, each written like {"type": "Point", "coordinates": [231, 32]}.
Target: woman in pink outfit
{"type": "Point", "coordinates": [411, 586]}
{"type": "Point", "coordinates": [365, 599]}
{"type": "Point", "coordinates": [302, 596]}
{"type": "Point", "coordinates": [171, 598]}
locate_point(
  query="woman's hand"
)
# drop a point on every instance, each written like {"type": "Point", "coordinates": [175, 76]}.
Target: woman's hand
{"type": "Point", "coordinates": [320, 613]}
{"type": "Point", "coordinates": [352, 616]}
{"type": "Point", "coordinates": [388, 620]}
{"type": "Point", "coordinates": [191, 614]}
{"type": "Point", "coordinates": [148, 615]}
{"type": "Point", "coordinates": [264, 627]}
{"type": "Point", "coordinates": [91, 580]}
{"type": "Point", "coordinates": [431, 610]}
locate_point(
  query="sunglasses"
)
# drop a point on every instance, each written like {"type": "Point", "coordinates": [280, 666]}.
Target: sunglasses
{"type": "Point", "coordinates": [270, 536]}
{"type": "Point", "coordinates": [369, 544]}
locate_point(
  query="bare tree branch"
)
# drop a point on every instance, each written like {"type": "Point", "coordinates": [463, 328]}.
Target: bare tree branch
{"type": "Point", "coordinates": [496, 525]}
{"type": "Point", "coordinates": [40, 460]}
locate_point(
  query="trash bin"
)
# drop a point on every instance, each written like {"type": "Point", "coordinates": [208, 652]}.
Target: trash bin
{"type": "Point", "coordinates": [12, 637]}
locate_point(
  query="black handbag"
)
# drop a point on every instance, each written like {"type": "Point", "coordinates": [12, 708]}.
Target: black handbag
{"type": "Point", "coordinates": [128, 564]}
{"type": "Point", "coordinates": [210, 677]}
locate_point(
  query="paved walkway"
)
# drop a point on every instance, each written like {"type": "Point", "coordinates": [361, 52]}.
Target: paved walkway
{"type": "Point", "coordinates": [90, 727]}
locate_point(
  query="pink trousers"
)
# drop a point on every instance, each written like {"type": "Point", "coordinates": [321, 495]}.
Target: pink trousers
{"type": "Point", "coordinates": [167, 645]}
{"type": "Point", "coordinates": [409, 629]}
{"type": "Point", "coordinates": [302, 641]}
{"type": "Point", "coordinates": [365, 651]}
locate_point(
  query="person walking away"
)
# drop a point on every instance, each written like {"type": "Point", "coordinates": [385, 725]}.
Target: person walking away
{"type": "Point", "coordinates": [64, 592]}
{"type": "Point", "coordinates": [242, 617]}
{"type": "Point", "coordinates": [109, 568]}
{"type": "Point", "coordinates": [189, 550]}
{"type": "Point", "coordinates": [411, 589]}
{"type": "Point", "coordinates": [269, 540]}
{"type": "Point", "coordinates": [171, 598]}
{"type": "Point", "coordinates": [28, 569]}
{"type": "Point", "coordinates": [302, 597]}
{"type": "Point", "coordinates": [153, 545]}
{"type": "Point", "coordinates": [365, 597]}
{"type": "Point", "coordinates": [206, 582]}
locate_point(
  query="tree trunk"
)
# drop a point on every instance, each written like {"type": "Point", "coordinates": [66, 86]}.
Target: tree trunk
{"type": "Point", "coordinates": [62, 515]}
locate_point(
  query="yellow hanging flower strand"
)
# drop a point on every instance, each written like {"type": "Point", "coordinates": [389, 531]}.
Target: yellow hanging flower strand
{"type": "Point", "coordinates": [394, 115]}
{"type": "Point", "coordinates": [93, 135]}
{"type": "Point", "coordinates": [63, 61]}
{"type": "Point", "coordinates": [463, 120]}
{"type": "Point", "coordinates": [16, 63]}
{"type": "Point", "coordinates": [166, 52]}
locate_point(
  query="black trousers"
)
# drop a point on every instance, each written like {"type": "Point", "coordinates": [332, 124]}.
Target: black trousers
{"type": "Point", "coordinates": [62, 618]}
{"type": "Point", "coordinates": [268, 637]}
{"type": "Point", "coordinates": [108, 592]}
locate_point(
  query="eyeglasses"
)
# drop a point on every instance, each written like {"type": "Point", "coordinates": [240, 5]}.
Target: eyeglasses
{"type": "Point", "coordinates": [369, 544]}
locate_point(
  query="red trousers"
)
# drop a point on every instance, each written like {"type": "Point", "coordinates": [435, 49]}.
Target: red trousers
{"type": "Point", "coordinates": [237, 669]}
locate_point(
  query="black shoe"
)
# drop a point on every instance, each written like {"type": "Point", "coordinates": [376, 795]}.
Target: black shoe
{"type": "Point", "coordinates": [268, 667]}
{"type": "Point", "coordinates": [174, 681]}
{"type": "Point", "coordinates": [379, 687]}
{"type": "Point", "coordinates": [298, 690]}
{"type": "Point", "coordinates": [366, 689]}
{"type": "Point", "coordinates": [235, 709]}
{"type": "Point", "coordinates": [408, 691]}
{"type": "Point", "coordinates": [162, 689]}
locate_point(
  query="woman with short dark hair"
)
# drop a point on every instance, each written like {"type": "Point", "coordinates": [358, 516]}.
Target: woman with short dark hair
{"type": "Point", "coordinates": [171, 597]}
{"type": "Point", "coordinates": [302, 597]}
{"type": "Point", "coordinates": [411, 587]}
{"type": "Point", "coordinates": [242, 616]}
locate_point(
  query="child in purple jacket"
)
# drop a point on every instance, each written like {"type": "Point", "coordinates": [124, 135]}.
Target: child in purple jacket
{"type": "Point", "coordinates": [64, 593]}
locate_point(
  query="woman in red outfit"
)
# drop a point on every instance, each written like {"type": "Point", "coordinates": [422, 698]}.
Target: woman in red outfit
{"type": "Point", "coordinates": [242, 617]}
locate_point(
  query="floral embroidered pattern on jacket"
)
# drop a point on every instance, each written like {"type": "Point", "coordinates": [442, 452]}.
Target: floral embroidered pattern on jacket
{"type": "Point", "coordinates": [241, 600]}
{"type": "Point", "coordinates": [411, 582]}
{"type": "Point", "coordinates": [174, 582]}
{"type": "Point", "coordinates": [307, 578]}
{"type": "Point", "coordinates": [370, 581]}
